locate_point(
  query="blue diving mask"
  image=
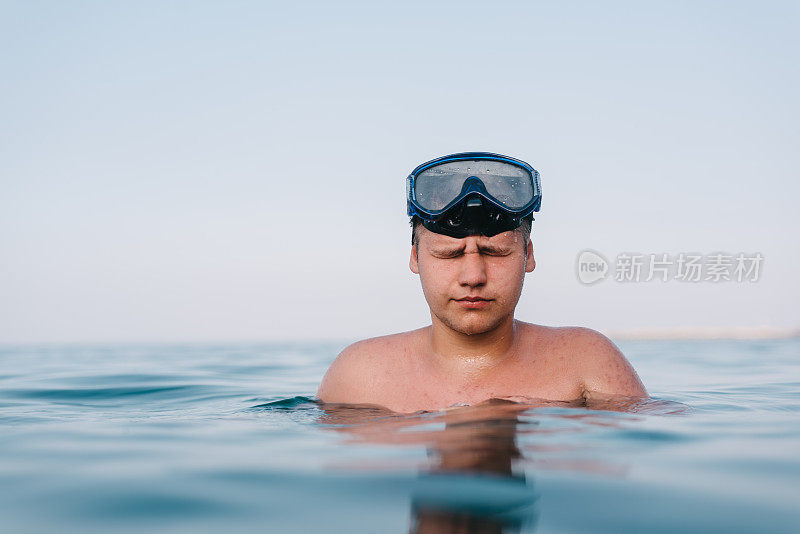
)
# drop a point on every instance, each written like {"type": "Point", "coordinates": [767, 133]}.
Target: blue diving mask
{"type": "Point", "coordinates": [473, 193]}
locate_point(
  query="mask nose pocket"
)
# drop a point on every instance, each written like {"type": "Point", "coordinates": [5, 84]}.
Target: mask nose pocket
{"type": "Point", "coordinates": [473, 184]}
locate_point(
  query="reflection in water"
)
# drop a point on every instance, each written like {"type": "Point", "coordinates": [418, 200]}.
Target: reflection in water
{"type": "Point", "coordinates": [478, 453]}
{"type": "Point", "coordinates": [471, 482]}
{"type": "Point", "coordinates": [474, 480]}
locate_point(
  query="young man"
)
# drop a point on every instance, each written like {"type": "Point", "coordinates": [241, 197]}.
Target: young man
{"type": "Point", "coordinates": [471, 216]}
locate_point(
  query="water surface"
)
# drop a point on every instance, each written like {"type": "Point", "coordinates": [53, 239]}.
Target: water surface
{"type": "Point", "coordinates": [212, 438]}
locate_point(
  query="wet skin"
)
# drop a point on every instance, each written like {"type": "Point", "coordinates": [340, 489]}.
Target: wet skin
{"type": "Point", "coordinates": [474, 349]}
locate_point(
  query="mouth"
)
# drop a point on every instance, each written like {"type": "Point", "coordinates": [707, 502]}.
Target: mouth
{"type": "Point", "coordinates": [473, 303]}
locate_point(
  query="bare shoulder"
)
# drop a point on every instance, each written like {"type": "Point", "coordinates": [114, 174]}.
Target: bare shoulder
{"type": "Point", "coordinates": [362, 369]}
{"type": "Point", "coordinates": [592, 358]}
{"type": "Point", "coordinates": [604, 368]}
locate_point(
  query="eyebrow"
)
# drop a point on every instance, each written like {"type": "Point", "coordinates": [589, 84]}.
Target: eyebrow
{"type": "Point", "coordinates": [488, 248]}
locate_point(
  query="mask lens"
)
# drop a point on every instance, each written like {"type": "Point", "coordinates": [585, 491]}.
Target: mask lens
{"type": "Point", "coordinates": [510, 185]}
{"type": "Point", "coordinates": [437, 186]}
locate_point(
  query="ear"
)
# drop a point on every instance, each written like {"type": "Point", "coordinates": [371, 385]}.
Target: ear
{"type": "Point", "coordinates": [530, 263]}
{"type": "Point", "coordinates": [412, 263]}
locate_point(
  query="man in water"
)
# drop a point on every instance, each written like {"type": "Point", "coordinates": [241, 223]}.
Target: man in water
{"type": "Point", "coordinates": [471, 215]}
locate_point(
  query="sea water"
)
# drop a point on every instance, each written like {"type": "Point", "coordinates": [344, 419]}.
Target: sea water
{"type": "Point", "coordinates": [229, 438]}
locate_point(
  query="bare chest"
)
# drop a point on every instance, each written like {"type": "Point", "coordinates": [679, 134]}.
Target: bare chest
{"type": "Point", "coordinates": [415, 387]}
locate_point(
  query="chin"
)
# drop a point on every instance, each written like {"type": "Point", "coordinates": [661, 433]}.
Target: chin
{"type": "Point", "coordinates": [475, 324]}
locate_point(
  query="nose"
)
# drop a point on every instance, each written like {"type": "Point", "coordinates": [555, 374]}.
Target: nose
{"type": "Point", "coordinates": [473, 270]}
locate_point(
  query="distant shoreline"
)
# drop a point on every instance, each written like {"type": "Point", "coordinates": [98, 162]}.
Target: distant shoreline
{"type": "Point", "coordinates": [653, 333]}
{"type": "Point", "coordinates": [755, 332]}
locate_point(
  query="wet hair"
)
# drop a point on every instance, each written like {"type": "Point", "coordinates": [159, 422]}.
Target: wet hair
{"type": "Point", "coordinates": [525, 227]}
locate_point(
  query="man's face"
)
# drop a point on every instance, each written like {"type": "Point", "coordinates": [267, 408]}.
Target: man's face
{"type": "Point", "coordinates": [490, 268]}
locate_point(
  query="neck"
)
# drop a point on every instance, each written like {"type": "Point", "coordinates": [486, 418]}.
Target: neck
{"type": "Point", "coordinates": [472, 353]}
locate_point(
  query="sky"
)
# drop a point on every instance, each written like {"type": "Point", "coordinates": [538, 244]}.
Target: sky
{"type": "Point", "coordinates": [235, 171]}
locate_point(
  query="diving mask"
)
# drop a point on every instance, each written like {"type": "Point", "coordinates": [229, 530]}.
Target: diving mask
{"type": "Point", "coordinates": [473, 193]}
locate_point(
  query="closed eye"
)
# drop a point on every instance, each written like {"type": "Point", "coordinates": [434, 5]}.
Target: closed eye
{"type": "Point", "coordinates": [491, 251]}
{"type": "Point", "coordinates": [445, 254]}
{"type": "Point", "coordinates": [448, 254]}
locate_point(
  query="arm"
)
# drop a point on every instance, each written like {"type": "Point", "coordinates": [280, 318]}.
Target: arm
{"type": "Point", "coordinates": [604, 369]}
